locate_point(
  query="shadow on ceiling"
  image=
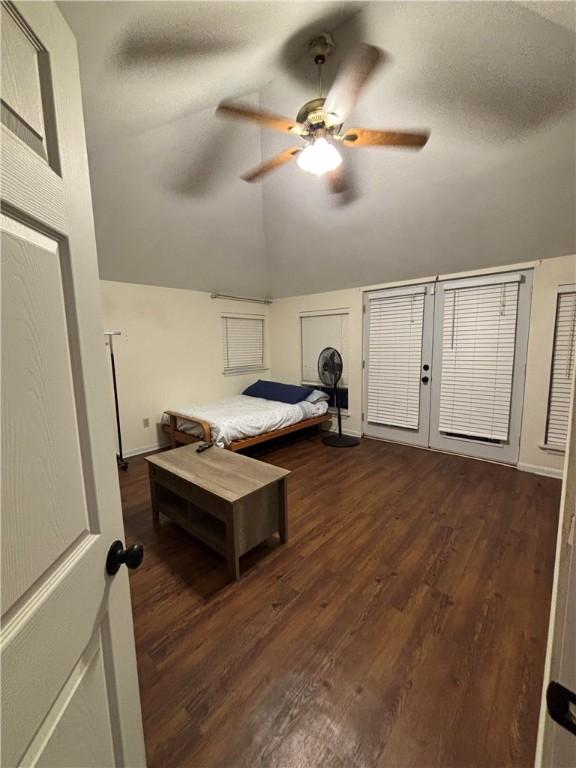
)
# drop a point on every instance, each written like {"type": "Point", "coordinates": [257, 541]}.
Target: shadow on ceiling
{"type": "Point", "coordinates": [145, 47]}
{"type": "Point", "coordinates": [203, 163]}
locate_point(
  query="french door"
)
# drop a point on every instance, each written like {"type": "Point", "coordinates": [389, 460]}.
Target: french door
{"type": "Point", "coordinates": [444, 364]}
{"type": "Point", "coordinates": [397, 363]}
{"type": "Point", "coordinates": [480, 340]}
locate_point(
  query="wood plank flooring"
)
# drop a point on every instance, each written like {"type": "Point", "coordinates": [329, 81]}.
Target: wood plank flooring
{"type": "Point", "coordinates": [403, 625]}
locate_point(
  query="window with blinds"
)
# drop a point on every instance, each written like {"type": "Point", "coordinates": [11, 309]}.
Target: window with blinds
{"type": "Point", "coordinates": [318, 331]}
{"type": "Point", "coordinates": [394, 359]}
{"type": "Point", "coordinates": [562, 367]}
{"type": "Point", "coordinates": [478, 348]}
{"type": "Point", "coordinates": [243, 339]}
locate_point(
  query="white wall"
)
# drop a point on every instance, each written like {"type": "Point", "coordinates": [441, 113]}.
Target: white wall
{"type": "Point", "coordinates": [170, 353]}
{"type": "Point", "coordinates": [285, 343]}
{"type": "Point", "coordinates": [548, 275]}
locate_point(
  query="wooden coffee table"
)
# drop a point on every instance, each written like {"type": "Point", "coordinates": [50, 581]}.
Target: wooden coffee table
{"type": "Point", "coordinates": [230, 502]}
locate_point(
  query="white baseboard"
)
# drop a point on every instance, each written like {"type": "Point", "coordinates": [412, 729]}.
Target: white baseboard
{"type": "Point", "coordinates": [536, 470]}
{"type": "Point", "coordinates": [145, 449]}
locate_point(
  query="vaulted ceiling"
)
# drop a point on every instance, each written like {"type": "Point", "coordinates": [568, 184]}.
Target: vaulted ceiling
{"type": "Point", "coordinates": [493, 82]}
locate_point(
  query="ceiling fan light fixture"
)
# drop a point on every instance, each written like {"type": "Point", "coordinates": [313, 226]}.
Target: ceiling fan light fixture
{"type": "Point", "coordinates": [319, 158]}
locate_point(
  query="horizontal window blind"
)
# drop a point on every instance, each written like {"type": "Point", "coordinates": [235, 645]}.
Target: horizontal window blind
{"type": "Point", "coordinates": [317, 333]}
{"type": "Point", "coordinates": [478, 348]}
{"type": "Point", "coordinates": [243, 343]}
{"type": "Point", "coordinates": [562, 368]}
{"type": "Point", "coordinates": [394, 359]}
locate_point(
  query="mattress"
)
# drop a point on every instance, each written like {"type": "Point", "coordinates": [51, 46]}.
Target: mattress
{"type": "Point", "coordinates": [242, 416]}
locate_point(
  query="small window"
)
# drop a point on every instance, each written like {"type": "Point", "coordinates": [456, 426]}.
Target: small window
{"type": "Point", "coordinates": [320, 330]}
{"type": "Point", "coordinates": [243, 338]}
{"type": "Point", "coordinates": [563, 356]}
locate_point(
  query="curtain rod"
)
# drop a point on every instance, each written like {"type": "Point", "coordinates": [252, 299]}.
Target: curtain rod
{"type": "Point", "coordinates": [239, 298]}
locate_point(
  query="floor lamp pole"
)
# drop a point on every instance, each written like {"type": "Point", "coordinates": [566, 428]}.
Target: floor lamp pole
{"type": "Point", "coordinates": [121, 461]}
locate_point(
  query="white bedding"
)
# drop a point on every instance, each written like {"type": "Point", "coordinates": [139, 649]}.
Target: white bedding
{"type": "Point", "coordinates": [242, 416]}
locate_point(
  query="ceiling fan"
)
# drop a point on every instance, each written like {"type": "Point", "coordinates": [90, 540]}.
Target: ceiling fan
{"type": "Point", "coordinates": [320, 121]}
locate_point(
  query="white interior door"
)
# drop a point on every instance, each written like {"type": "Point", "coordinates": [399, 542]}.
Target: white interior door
{"type": "Point", "coordinates": [398, 326]}
{"type": "Point", "coordinates": [480, 341]}
{"type": "Point", "coordinates": [69, 692]}
{"type": "Point", "coordinates": [556, 745]}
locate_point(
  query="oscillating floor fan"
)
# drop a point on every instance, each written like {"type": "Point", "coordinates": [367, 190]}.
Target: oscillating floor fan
{"type": "Point", "coordinates": [330, 372]}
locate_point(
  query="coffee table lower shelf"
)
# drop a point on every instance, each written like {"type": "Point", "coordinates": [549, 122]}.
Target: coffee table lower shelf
{"type": "Point", "coordinates": [229, 528]}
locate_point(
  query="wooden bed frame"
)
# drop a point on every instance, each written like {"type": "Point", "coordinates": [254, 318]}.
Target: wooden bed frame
{"type": "Point", "coordinates": [177, 437]}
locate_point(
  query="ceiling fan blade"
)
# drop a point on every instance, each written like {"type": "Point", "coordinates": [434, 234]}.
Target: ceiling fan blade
{"type": "Point", "coordinates": [341, 185]}
{"type": "Point", "coordinates": [275, 162]}
{"type": "Point", "coordinates": [365, 137]}
{"type": "Point", "coordinates": [268, 119]}
{"type": "Point", "coordinates": [350, 81]}
{"type": "Point", "coordinates": [338, 181]}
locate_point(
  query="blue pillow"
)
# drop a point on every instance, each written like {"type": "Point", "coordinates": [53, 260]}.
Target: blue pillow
{"type": "Point", "coordinates": [274, 390]}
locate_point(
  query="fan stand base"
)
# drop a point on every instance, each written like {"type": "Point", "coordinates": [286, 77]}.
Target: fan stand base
{"type": "Point", "coordinates": [340, 441]}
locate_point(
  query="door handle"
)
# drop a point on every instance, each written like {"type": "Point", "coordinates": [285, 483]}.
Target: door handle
{"type": "Point", "coordinates": [425, 379]}
{"type": "Point", "coordinates": [561, 704]}
{"type": "Point", "coordinates": [131, 557]}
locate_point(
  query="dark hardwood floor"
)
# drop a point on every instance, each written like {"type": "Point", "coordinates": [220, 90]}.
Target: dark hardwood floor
{"type": "Point", "coordinates": [403, 625]}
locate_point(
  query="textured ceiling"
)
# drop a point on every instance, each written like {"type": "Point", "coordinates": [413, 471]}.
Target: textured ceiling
{"type": "Point", "coordinates": [494, 82]}
{"type": "Point", "coordinates": [563, 13]}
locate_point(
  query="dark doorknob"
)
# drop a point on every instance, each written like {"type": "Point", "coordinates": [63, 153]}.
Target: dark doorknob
{"type": "Point", "coordinates": [425, 379]}
{"type": "Point", "coordinates": [132, 557]}
{"type": "Point", "coordinates": [561, 703]}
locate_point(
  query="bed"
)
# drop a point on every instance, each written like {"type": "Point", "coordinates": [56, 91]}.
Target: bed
{"type": "Point", "coordinates": [241, 421]}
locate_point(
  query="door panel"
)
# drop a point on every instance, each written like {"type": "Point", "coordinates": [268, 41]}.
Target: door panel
{"type": "Point", "coordinates": [69, 690]}
{"type": "Point", "coordinates": [28, 107]}
{"type": "Point", "coordinates": [84, 701]}
{"type": "Point", "coordinates": [57, 624]}
{"type": "Point", "coordinates": [480, 341]}
{"type": "Point", "coordinates": [20, 73]}
{"type": "Point", "coordinates": [42, 462]}
{"type": "Point", "coordinates": [397, 346]}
